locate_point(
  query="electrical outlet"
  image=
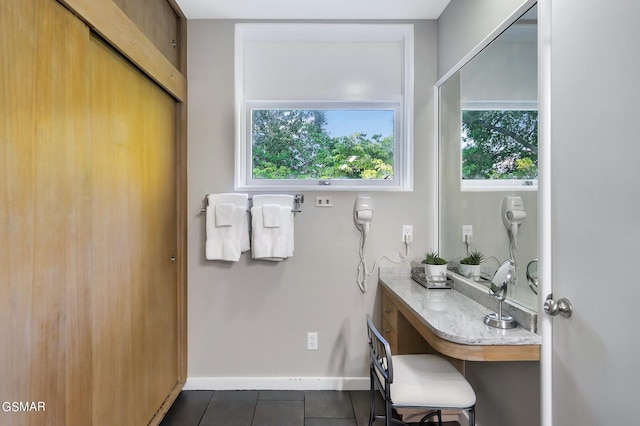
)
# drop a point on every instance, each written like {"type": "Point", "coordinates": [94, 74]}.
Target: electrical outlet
{"type": "Point", "coordinates": [324, 202]}
{"type": "Point", "coordinates": [312, 341]}
{"type": "Point", "coordinates": [407, 234]}
{"type": "Point", "coordinates": [467, 233]}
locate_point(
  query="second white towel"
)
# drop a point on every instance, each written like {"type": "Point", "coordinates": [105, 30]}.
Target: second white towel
{"type": "Point", "coordinates": [272, 227]}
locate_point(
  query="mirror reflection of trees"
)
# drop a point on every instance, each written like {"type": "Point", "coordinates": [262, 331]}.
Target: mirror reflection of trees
{"type": "Point", "coordinates": [295, 144]}
{"type": "Point", "coordinates": [499, 144]}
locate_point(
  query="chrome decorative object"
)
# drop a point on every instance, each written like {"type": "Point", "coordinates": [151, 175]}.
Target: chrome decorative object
{"type": "Point", "coordinates": [532, 275]}
{"type": "Point", "coordinates": [562, 307]}
{"type": "Point", "coordinates": [498, 289]}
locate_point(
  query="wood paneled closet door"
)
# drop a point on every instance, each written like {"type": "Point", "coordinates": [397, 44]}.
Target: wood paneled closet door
{"type": "Point", "coordinates": [88, 214]}
{"type": "Point", "coordinates": [133, 239]}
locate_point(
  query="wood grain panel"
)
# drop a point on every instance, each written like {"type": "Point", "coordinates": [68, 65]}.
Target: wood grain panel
{"type": "Point", "coordinates": [88, 212]}
{"type": "Point", "coordinates": [181, 230]}
{"type": "Point", "coordinates": [108, 20]}
{"type": "Point", "coordinates": [134, 222]}
{"type": "Point", "coordinates": [409, 340]}
{"type": "Point", "coordinates": [390, 312]}
{"type": "Point", "coordinates": [159, 22]}
{"type": "Point", "coordinates": [45, 237]}
{"type": "Point", "coordinates": [389, 333]}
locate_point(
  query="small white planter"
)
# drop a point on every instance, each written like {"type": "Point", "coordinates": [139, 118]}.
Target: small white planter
{"type": "Point", "coordinates": [435, 273]}
{"type": "Point", "coordinates": [470, 271]}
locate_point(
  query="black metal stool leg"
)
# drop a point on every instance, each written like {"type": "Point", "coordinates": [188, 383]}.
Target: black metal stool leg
{"type": "Point", "coordinates": [436, 413]}
{"type": "Point", "coordinates": [472, 416]}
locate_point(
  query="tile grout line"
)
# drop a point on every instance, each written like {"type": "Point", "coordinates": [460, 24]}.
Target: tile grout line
{"type": "Point", "coordinates": [351, 416]}
{"type": "Point", "coordinates": [205, 408]}
{"type": "Point", "coordinates": [353, 409]}
{"type": "Point", "coordinates": [255, 407]}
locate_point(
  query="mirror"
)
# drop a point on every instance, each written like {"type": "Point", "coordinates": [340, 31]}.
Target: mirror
{"type": "Point", "coordinates": [488, 154]}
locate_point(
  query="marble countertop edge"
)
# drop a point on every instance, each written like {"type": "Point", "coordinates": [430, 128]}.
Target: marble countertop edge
{"type": "Point", "coordinates": [450, 314]}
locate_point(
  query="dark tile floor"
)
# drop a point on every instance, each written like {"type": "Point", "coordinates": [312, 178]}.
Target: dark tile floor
{"type": "Point", "coordinates": [271, 408]}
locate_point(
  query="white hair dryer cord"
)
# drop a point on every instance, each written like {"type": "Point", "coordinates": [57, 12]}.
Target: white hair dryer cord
{"type": "Point", "coordinates": [513, 250]}
{"type": "Point", "coordinates": [361, 272]}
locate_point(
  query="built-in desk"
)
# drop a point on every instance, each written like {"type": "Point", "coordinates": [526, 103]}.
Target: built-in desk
{"type": "Point", "coordinates": [449, 322]}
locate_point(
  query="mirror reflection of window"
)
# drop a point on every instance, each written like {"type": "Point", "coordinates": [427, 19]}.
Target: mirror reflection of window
{"type": "Point", "coordinates": [499, 120]}
{"type": "Point", "coordinates": [499, 144]}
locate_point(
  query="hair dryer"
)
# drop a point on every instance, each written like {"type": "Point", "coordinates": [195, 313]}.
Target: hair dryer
{"type": "Point", "coordinates": [363, 214]}
{"type": "Point", "coordinates": [513, 214]}
{"type": "Point", "coordinates": [362, 217]}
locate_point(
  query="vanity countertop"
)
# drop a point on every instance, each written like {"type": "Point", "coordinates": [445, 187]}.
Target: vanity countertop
{"type": "Point", "coordinates": [452, 316]}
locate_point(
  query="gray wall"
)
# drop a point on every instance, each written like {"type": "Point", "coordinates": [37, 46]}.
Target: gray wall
{"type": "Point", "coordinates": [508, 392]}
{"type": "Point", "coordinates": [250, 319]}
{"type": "Point", "coordinates": [464, 24]}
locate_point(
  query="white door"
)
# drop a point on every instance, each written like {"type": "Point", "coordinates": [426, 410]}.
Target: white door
{"type": "Point", "coordinates": [590, 210]}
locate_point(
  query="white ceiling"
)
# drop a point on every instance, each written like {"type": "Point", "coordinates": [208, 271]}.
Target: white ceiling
{"type": "Point", "coordinates": [316, 9]}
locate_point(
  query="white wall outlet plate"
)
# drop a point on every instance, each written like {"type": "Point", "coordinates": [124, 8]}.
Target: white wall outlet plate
{"type": "Point", "coordinates": [324, 201]}
{"type": "Point", "coordinates": [312, 341]}
{"type": "Point", "coordinates": [467, 233]}
{"type": "Point", "coordinates": [407, 234]}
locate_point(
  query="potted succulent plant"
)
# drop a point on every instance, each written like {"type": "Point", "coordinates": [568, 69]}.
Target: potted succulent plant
{"type": "Point", "coordinates": [435, 267]}
{"type": "Point", "coordinates": [470, 265]}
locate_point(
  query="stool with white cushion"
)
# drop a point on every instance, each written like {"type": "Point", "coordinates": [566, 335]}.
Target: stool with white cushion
{"type": "Point", "coordinates": [415, 381]}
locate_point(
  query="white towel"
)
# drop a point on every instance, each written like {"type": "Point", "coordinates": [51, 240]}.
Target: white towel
{"type": "Point", "coordinates": [272, 243]}
{"type": "Point", "coordinates": [224, 214]}
{"type": "Point", "coordinates": [240, 200]}
{"type": "Point", "coordinates": [280, 199]}
{"type": "Point", "coordinates": [226, 241]}
{"type": "Point", "coordinates": [271, 215]}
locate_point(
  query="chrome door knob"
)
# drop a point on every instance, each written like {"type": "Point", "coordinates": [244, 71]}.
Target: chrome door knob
{"type": "Point", "coordinates": [562, 307]}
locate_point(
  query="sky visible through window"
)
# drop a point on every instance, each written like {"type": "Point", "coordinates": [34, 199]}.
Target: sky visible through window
{"type": "Point", "coordinates": [370, 122]}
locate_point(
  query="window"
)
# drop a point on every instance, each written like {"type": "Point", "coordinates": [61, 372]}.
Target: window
{"type": "Point", "coordinates": [324, 106]}
{"type": "Point", "coordinates": [499, 149]}
{"type": "Point", "coordinates": [319, 143]}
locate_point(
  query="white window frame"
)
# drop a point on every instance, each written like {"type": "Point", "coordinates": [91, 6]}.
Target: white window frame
{"type": "Point", "coordinates": [402, 106]}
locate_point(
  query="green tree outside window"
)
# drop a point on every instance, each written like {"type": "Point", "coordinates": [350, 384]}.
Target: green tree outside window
{"type": "Point", "coordinates": [295, 144]}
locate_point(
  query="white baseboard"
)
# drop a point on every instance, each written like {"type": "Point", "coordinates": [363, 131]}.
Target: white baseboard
{"type": "Point", "coordinates": [277, 383]}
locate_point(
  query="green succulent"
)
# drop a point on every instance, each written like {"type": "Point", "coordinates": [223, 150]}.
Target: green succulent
{"type": "Point", "coordinates": [475, 258]}
{"type": "Point", "coordinates": [433, 258]}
